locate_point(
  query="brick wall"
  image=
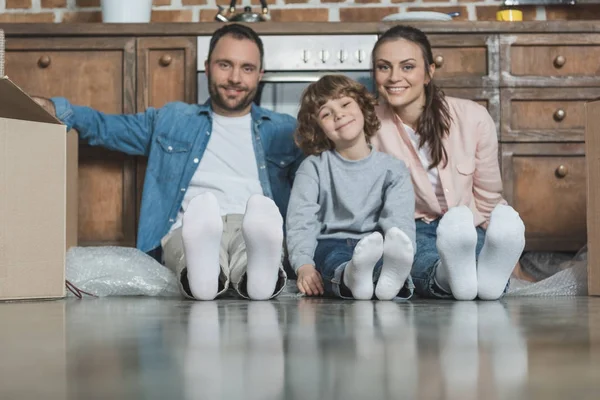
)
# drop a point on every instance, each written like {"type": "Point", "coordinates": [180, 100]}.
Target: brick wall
{"type": "Point", "coordinates": [284, 10]}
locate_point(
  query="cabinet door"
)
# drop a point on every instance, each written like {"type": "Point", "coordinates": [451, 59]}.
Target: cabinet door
{"type": "Point", "coordinates": [546, 184]}
{"type": "Point", "coordinates": [166, 71]}
{"type": "Point", "coordinates": [96, 72]}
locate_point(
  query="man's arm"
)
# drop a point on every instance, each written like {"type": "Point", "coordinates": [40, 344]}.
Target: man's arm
{"type": "Point", "coordinates": [129, 134]}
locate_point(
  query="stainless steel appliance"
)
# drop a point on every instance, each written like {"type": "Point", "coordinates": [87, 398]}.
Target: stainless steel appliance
{"type": "Point", "coordinates": [293, 61]}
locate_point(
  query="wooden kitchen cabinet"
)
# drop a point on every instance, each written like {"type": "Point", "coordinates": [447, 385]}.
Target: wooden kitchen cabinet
{"type": "Point", "coordinates": [546, 184]}
{"type": "Point", "coordinates": [100, 73]}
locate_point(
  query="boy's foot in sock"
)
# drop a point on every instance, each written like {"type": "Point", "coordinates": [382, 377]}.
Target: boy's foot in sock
{"type": "Point", "coordinates": [456, 243]}
{"type": "Point", "coordinates": [397, 261]}
{"type": "Point", "coordinates": [358, 274]}
{"type": "Point", "coordinates": [504, 243]}
{"type": "Point", "coordinates": [201, 231]}
{"type": "Point", "coordinates": [262, 228]}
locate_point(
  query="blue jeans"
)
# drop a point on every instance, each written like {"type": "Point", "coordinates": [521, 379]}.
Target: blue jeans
{"type": "Point", "coordinates": [331, 258]}
{"type": "Point", "coordinates": [427, 259]}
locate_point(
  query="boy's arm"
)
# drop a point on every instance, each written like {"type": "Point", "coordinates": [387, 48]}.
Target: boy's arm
{"type": "Point", "coordinates": [129, 134]}
{"type": "Point", "coordinates": [399, 203]}
{"type": "Point", "coordinates": [302, 223]}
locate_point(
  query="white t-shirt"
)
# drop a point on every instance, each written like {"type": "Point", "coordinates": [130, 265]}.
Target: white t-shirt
{"type": "Point", "coordinates": [425, 157]}
{"type": "Point", "coordinates": [228, 167]}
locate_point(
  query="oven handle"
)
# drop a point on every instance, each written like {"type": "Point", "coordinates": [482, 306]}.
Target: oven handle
{"type": "Point", "coordinates": [278, 77]}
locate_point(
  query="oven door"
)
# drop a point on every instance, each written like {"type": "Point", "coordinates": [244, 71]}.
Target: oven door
{"type": "Point", "coordinates": [281, 91]}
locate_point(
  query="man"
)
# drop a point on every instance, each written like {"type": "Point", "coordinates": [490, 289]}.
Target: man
{"type": "Point", "coordinates": [219, 174]}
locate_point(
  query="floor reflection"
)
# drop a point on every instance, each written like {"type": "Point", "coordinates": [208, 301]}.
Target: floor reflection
{"type": "Point", "coordinates": [300, 349]}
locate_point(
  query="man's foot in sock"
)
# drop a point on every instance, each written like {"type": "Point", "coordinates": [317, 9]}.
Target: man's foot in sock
{"type": "Point", "coordinates": [456, 243]}
{"type": "Point", "coordinates": [398, 255]}
{"type": "Point", "coordinates": [358, 274]}
{"type": "Point", "coordinates": [262, 228]}
{"type": "Point", "coordinates": [202, 230]}
{"type": "Point", "coordinates": [504, 243]}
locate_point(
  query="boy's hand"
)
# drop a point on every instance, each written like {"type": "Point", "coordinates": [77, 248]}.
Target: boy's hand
{"type": "Point", "coordinates": [309, 280]}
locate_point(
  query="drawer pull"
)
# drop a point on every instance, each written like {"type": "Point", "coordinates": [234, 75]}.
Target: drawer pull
{"type": "Point", "coordinates": [559, 115]}
{"type": "Point", "coordinates": [561, 171]}
{"type": "Point", "coordinates": [559, 61]}
{"type": "Point", "coordinates": [44, 62]}
{"type": "Point", "coordinates": [438, 61]}
{"type": "Point", "coordinates": [165, 60]}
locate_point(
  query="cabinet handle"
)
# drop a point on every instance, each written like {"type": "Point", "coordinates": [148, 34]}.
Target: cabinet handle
{"type": "Point", "coordinates": [559, 61]}
{"type": "Point", "coordinates": [165, 60]}
{"type": "Point", "coordinates": [44, 62]}
{"type": "Point", "coordinates": [559, 115]}
{"type": "Point", "coordinates": [561, 171]}
{"type": "Point", "coordinates": [438, 61]}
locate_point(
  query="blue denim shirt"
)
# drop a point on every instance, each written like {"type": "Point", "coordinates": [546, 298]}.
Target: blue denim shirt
{"type": "Point", "coordinates": [174, 138]}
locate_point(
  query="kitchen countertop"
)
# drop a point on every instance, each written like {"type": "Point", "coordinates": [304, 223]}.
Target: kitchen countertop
{"type": "Point", "coordinates": [296, 28]}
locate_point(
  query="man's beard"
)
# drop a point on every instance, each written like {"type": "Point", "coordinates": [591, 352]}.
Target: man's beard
{"type": "Point", "coordinates": [217, 99]}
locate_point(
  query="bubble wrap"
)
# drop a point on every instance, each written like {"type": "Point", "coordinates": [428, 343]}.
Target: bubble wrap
{"type": "Point", "coordinates": [118, 271]}
{"type": "Point", "coordinates": [570, 280]}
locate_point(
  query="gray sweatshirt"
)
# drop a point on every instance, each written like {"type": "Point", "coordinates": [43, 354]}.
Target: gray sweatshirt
{"type": "Point", "coordinates": [336, 198]}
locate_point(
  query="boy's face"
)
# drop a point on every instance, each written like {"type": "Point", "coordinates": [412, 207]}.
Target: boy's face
{"type": "Point", "coordinates": [343, 122]}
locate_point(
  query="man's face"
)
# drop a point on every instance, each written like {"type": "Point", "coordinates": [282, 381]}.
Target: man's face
{"type": "Point", "coordinates": [233, 73]}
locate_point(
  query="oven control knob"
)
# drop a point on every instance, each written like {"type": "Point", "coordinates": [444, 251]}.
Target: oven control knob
{"type": "Point", "coordinates": [305, 56]}
{"type": "Point", "coordinates": [360, 55]}
{"type": "Point", "coordinates": [324, 56]}
{"type": "Point", "coordinates": [342, 56]}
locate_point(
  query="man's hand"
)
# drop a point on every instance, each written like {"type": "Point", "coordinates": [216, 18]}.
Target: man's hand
{"type": "Point", "coordinates": [309, 280]}
{"type": "Point", "coordinates": [47, 104]}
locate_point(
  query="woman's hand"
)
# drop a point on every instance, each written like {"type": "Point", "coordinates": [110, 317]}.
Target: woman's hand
{"type": "Point", "coordinates": [309, 281]}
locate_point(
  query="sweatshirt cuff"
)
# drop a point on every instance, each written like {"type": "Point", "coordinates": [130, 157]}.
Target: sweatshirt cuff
{"type": "Point", "coordinates": [300, 261]}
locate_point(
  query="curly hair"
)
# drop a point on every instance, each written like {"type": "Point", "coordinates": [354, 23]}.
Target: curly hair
{"type": "Point", "coordinates": [309, 136]}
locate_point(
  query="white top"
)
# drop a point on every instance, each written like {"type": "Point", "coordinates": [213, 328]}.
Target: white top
{"type": "Point", "coordinates": [425, 157]}
{"type": "Point", "coordinates": [228, 167]}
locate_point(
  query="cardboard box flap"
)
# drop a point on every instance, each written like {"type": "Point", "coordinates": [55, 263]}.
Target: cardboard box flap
{"type": "Point", "coordinates": [16, 104]}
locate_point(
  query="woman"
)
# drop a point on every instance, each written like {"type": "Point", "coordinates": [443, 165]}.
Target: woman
{"type": "Point", "coordinates": [468, 238]}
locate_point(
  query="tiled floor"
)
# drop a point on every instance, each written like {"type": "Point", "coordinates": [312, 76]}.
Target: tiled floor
{"type": "Point", "coordinates": [147, 348]}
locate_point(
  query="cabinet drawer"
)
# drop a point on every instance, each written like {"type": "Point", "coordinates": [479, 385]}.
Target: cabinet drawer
{"type": "Point", "coordinates": [460, 61]}
{"type": "Point", "coordinates": [546, 184]}
{"type": "Point", "coordinates": [531, 115]}
{"type": "Point", "coordinates": [551, 60]}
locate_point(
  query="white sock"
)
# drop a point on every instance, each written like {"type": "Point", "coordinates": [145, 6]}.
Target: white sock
{"type": "Point", "coordinates": [456, 243]}
{"type": "Point", "coordinates": [262, 228]}
{"type": "Point", "coordinates": [202, 230]}
{"type": "Point", "coordinates": [397, 261]}
{"type": "Point", "coordinates": [358, 274]}
{"type": "Point", "coordinates": [504, 243]}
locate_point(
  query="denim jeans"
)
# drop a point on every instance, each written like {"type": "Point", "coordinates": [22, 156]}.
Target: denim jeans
{"type": "Point", "coordinates": [427, 259]}
{"type": "Point", "coordinates": [331, 258]}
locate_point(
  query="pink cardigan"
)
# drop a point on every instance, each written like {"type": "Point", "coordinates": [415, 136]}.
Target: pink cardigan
{"type": "Point", "coordinates": [472, 175]}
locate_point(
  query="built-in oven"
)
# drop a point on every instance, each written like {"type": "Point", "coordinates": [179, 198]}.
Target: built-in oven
{"type": "Point", "coordinates": [293, 61]}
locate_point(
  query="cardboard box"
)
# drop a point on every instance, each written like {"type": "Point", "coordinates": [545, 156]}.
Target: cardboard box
{"type": "Point", "coordinates": [38, 197]}
{"type": "Point", "coordinates": [592, 157]}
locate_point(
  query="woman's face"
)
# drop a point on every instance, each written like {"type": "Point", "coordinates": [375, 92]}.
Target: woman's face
{"type": "Point", "coordinates": [401, 74]}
